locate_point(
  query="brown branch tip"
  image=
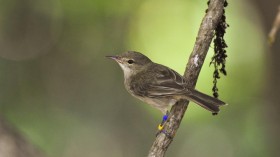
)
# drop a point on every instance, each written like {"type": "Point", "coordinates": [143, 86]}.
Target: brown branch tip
{"type": "Point", "coordinates": [275, 28]}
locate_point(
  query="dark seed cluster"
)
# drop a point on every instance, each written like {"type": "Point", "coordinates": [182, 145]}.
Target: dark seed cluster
{"type": "Point", "coordinates": [219, 57]}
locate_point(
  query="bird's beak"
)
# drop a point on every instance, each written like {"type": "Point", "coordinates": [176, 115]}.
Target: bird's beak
{"type": "Point", "coordinates": [116, 58]}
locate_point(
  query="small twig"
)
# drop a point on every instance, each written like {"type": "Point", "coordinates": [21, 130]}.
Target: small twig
{"type": "Point", "coordinates": [194, 65]}
{"type": "Point", "coordinates": [275, 28]}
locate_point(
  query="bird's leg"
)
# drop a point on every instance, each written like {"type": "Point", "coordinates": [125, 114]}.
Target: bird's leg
{"type": "Point", "coordinates": [161, 125]}
{"type": "Point", "coordinates": [165, 117]}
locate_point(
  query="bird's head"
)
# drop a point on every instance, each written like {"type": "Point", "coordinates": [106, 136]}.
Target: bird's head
{"type": "Point", "coordinates": [131, 62]}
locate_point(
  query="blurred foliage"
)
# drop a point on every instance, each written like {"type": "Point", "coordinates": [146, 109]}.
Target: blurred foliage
{"type": "Point", "coordinates": [60, 91]}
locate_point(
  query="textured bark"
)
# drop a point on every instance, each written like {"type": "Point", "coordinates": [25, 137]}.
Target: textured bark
{"type": "Point", "coordinates": [275, 28]}
{"type": "Point", "coordinates": [12, 144]}
{"type": "Point", "coordinates": [194, 65]}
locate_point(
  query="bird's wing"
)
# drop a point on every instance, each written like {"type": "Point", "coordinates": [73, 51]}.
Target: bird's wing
{"type": "Point", "coordinates": [168, 82]}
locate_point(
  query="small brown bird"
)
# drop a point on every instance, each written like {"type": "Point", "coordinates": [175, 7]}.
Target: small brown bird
{"type": "Point", "coordinates": [159, 85]}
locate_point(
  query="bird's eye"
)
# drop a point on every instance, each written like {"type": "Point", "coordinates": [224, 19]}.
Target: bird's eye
{"type": "Point", "coordinates": [130, 61]}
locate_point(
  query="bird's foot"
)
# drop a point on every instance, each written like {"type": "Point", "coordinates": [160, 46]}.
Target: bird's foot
{"type": "Point", "coordinates": [162, 130]}
{"type": "Point", "coordinates": [161, 125]}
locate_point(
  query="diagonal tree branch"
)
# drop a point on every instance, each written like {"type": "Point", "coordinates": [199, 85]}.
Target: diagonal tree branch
{"type": "Point", "coordinates": [275, 28]}
{"type": "Point", "coordinates": [194, 65]}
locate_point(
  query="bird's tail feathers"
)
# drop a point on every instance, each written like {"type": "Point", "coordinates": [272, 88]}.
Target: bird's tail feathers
{"type": "Point", "coordinates": [210, 103]}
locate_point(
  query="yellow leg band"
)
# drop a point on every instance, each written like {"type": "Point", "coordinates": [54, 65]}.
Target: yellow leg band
{"type": "Point", "coordinates": [160, 127]}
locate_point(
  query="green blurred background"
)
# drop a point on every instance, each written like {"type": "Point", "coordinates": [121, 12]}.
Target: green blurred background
{"type": "Point", "coordinates": [58, 89]}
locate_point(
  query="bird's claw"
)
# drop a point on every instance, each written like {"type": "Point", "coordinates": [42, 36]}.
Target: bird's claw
{"type": "Point", "coordinates": [164, 132]}
{"type": "Point", "coordinates": [161, 126]}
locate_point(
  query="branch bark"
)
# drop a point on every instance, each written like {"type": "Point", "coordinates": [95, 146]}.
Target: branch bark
{"type": "Point", "coordinates": [194, 65]}
{"type": "Point", "coordinates": [275, 28]}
